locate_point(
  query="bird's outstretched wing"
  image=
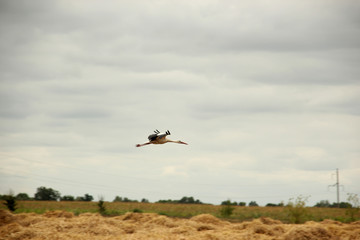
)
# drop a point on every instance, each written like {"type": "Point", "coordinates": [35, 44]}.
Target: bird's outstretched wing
{"type": "Point", "coordinates": [153, 137]}
{"type": "Point", "coordinates": [158, 135]}
{"type": "Point", "coordinates": [163, 135]}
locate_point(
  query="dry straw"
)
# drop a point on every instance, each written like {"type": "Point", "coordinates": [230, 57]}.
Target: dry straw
{"type": "Point", "coordinates": [64, 225]}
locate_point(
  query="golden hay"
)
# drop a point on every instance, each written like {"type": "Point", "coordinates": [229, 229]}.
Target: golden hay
{"type": "Point", "coordinates": [58, 214]}
{"type": "Point", "coordinates": [207, 218]}
{"type": "Point", "coordinates": [6, 217]}
{"type": "Point", "coordinates": [64, 225]}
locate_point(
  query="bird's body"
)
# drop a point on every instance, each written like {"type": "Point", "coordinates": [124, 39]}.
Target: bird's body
{"type": "Point", "coordinates": [159, 138]}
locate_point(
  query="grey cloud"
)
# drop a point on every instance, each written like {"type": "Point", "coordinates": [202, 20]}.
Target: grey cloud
{"type": "Point", "coordinates": [253, 87]}
{"type": "Point", "coordinates": [83, 113]}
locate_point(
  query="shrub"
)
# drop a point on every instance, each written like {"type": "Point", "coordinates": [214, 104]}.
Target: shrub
{"type": "Point", "coordinates": [10, 202]}
{"type": "Point", "coordinates": [227, 209]}
{"type": "Point", "coordinates": [101, 205]}
{"type": "Point", "coordinates": [297, 210]}
{"type": "Point", "coordinates": [353, 208]}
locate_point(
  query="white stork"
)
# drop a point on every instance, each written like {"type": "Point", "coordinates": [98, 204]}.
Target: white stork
{"type": "Point", "coordinates": [159, 138]}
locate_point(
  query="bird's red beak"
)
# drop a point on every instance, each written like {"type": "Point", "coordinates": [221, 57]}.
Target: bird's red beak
{"type": "Point", "coordinates": [183, 143]}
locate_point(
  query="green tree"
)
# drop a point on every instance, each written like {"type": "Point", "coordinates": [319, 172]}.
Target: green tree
{"type": "Point", "coordinates": [253, 204]}
{"type": "Point", "coordinates": [189, 200]}
{"type": "Point", "coordinates": [22, 196]}
{"type": "Point", "coordinates": [271, 205]}
{"type": "Point", "coordinates": [125, 199]}
{"type": "Point", "coordinates": [47, 194]}
{"type": "Point", "coordinates": [340, 205]}
{"type": "Point", "coordinates": [322, 203]}
{"type": "Point", "coordinates": [88, 197]}
{"type": "Point", "coordinates": [67, 198]}
{"type": "Point", "coordinates": [228, 202]}
{"type": "Point", "coordinates": [118, 199]}
{"type": "Point", "coordinates": [183, 200]}
{"type": "Point", "coordinates": [85, 198]}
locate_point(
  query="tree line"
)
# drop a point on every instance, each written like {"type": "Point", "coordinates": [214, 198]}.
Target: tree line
{"type": "Point", "coordinates": [183, 200]}
{"type": "Point", "coordinates": [49, 194]}
{"type": "Point", "coordinates": [326, 203]}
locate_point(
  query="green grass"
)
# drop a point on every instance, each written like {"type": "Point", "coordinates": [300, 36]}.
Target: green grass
{"type": "Point", "coordinates": [179, 210]}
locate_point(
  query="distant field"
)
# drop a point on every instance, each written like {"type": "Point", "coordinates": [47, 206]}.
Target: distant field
{"type": "Point", "coordinates": [179, 210]}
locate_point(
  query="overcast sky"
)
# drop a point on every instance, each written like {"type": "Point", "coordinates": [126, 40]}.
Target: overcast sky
{"type": "Point", "coordinates": [266, 93]}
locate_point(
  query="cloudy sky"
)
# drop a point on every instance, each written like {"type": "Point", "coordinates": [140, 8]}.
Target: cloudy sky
{"type": "Point", "coordinates": [266, 93]}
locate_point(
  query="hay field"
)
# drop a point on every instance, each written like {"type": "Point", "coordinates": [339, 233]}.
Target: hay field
{"type": "Point", "coordinates": [178, 210]}
{"type": "Point", "coordinates": [65, 225]}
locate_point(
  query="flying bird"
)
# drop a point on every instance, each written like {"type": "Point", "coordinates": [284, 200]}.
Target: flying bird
{"type": "Point", "coordinates": [159, 138]}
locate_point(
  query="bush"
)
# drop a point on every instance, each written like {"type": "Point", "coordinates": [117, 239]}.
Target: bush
{"type": "Point", "coordinates": [10, 202]}
{"type": "Point", "coordinates": [296, 210]}
{"type": "Point", "coordinates": [227, 209]}
{"type": "Point", "coordinates": [101, 205]}
{"type": "Point", "coordinates": [353, 209]}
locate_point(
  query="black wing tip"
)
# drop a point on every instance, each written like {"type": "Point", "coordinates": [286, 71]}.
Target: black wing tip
{"type": "Point", "coordinates": [167, 132]}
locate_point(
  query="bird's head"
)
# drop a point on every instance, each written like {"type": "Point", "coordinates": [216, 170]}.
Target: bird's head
{"type": "Point", "coordinates": [182, 142]}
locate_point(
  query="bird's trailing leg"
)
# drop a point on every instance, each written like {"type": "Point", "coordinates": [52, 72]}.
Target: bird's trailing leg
{"type": "Point", "coordinates": [140, 145]}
